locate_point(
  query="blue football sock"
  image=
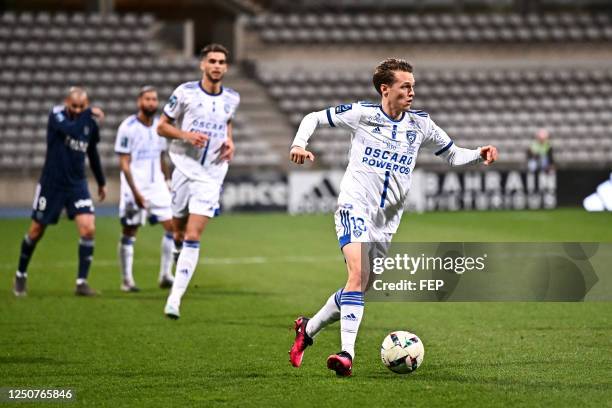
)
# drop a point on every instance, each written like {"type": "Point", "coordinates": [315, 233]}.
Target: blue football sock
{"type": "Point", "coordinates": [86, 250]}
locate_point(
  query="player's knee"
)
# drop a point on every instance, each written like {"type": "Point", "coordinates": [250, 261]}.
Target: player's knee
{"type": "Point", "coordinates": [36, 231]}
{"type": "Point", "coordinates": [354, 275]}
{"type": "Point", "coordinates": [88, 231]}
{"type": "Point", "coordinates": [191, 236]}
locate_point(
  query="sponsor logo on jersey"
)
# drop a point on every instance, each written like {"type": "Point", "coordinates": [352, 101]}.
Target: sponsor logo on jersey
{"type": "Point", "coordinates": [387, 160]}
{"type": "Point", "coordinates": [376, 130]}
{"type": "Point", "coordinates": [376, 120]}
{"type": "Point", "coordinates": [343, 108]}
{"type": "Point", "coordinates": [75, 144]}
{"type": "Point", "coordinates": [227, 108]}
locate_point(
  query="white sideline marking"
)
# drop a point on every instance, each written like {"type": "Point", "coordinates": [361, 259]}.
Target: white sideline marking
{"type": "Point", "coordinates": [253, 260]}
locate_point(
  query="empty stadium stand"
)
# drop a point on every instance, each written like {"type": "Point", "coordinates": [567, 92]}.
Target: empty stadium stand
{"type": "Point", "coordinates": [112, 56]}
{"type": "Point", "coordinates": [431, 28]}
{"type": "Point", "coordinates": [476, 107]}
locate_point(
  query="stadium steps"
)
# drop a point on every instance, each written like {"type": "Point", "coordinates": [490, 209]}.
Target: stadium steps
{"type": "Point", "coordinates": [260, 113]}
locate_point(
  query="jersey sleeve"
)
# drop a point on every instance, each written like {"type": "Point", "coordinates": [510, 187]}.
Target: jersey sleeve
{"type": "Point", "coordinates": [235, 108]}
{"type": "Point", "coordinates": [436, 138]}
{"type": "Point", "coordinates": [175, 105]}
{"type": "Point", "coordinates": [60, 124]}
{"type": "Point", "coordinates": [95, 132]}
{"type": "Point", "coordinates": [123, 143]}
{"type": "Point", "coordinates": [92, 154]}
{"type": "Point", "coordinates": [344, 116]}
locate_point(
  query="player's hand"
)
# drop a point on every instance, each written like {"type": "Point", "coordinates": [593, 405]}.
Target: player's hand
{"type": "Point", "coordinates": [97, 113]}
{"type": "Point", "coordinates": [226, 150]}
{"type": "Point", "coordinates": [299, 155]}
{"type": "Point", "coordinates": [101, 193]}
{"type": "Point", "coordinates": [140, 200]}
{"type": "Point", "coordinates": [488, 154]}
{"type": "Point", "coordinates": [195, 138]}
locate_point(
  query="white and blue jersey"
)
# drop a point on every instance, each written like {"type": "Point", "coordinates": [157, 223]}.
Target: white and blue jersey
{"type": "Point", "coordinates": [196, 110]}
{"type": "Point", "coordinates": [145, 147]}
{"type": "Point", "coordinates": [383, 152]}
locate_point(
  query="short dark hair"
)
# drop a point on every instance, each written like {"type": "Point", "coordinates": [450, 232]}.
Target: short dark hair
{"type": "Point", "coordinates": [145, 89]}
{"type": "Point", "coordinates": [384, 72]}
{"type": "Point", "coordinates": [213, 48]}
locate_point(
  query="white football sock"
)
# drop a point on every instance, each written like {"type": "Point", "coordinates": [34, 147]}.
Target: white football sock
{"type": "Point", "coordinates": [329, 313]}
{"type": "Point", "coordinates": [185, 267]}
{"type": "Point", "coordinates": [126, 258]}
{"type": "Point", "coordinates": [351, 310]}
{"type": "Point", "coordinates": [167, 246]}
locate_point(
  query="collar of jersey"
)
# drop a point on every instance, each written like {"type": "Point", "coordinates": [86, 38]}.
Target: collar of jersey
{"type": "Point", "coordinates": [390, 118]}
{"type": "Point", "coordinates": [142, 123]}
{"type": "Point", "coordinates": [208, 93]}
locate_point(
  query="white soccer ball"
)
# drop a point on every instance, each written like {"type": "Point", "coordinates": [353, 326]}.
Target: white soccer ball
{"type": "Point", "coordinates": [402, 352]}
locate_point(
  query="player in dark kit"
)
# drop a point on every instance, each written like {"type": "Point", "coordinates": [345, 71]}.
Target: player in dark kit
{"type": "Point", "coordinates": [72, 132]}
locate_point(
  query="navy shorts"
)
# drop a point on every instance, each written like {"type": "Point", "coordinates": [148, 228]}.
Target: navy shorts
{"type": "Point", "coordinates": [49, 201]}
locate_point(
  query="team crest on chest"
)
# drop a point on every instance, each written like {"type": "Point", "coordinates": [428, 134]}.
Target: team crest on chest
{"type": "Point", "coordinates": [411, 136]}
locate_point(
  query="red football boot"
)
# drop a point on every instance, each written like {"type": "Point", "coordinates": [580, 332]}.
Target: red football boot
{"type": "Point", "coordinates": [302, 340]}
{"type": "Point", "coordinates": [341, 363]}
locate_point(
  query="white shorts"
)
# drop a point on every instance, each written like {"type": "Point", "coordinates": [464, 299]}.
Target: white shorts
{"type": "Point", "coordinates": [355, 225]}
{"type": "Point", "coordinates": [158, 209]}
{"type": "Point", "coordinates": [194, 196]}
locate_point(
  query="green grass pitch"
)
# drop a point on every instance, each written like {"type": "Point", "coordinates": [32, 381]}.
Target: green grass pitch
{"type": "Point", "coordinates": [256, 274]}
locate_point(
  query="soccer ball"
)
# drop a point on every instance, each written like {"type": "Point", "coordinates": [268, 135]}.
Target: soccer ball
{"type": "Point", "coordinates": [402, 352]}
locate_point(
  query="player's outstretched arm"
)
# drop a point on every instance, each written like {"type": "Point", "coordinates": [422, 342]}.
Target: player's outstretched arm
{"type": "Point", "coordinates": [488, 153]}
{"type": "Point", "coordinates": [309, 124]}
{"type": "Point", "coordinates": [167, 129]}
{"type": "Point", "coordinates": [298, 155]}
{"type": "Point", "coordinates": [459, 156]}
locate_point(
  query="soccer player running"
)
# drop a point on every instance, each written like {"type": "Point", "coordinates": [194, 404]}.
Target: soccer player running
{"type": "Point", "coordinates": [198, 117]}
{"type": "Point", "coordinates": [144, 190]}
{"type": "Point", "coordinates": [72, 133]}
{"type": "Point", "coordinates": [385, 140]}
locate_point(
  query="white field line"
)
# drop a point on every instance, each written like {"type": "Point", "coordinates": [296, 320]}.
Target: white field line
{"type": "Point", "coordinates": [253, 260]}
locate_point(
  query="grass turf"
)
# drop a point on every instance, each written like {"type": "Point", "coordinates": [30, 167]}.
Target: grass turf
{"type": "Point", "coordinates": [256, 274]}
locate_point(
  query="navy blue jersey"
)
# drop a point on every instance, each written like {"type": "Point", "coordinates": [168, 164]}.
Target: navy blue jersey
{"type": "Point", "coordinates": [68, 140]}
